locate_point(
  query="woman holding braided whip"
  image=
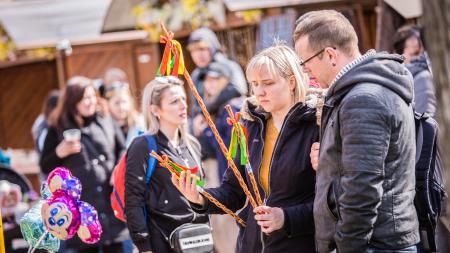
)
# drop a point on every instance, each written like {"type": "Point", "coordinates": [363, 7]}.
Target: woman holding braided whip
{"type": "Point", "coordinates": [165, 113]}
{"type": "Point", "coordinates": [281, 130]}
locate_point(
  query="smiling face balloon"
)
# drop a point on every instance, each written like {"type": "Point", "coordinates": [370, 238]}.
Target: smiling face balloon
{"type": "Point", "coordinates": [61, 216]}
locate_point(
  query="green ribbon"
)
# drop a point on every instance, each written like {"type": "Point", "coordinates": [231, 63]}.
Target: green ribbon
{"type": "Point", "coordinates": [234, 143]}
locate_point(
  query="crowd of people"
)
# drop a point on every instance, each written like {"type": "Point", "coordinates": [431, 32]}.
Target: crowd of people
{"type": "Point", "coordinates": [347, 185]}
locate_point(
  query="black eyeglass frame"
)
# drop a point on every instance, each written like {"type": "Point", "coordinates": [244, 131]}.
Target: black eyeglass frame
{"type": "Point", "coordinates": [302, 63]}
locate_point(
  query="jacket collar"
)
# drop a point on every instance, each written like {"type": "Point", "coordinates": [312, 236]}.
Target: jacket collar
{"type": "Point", "coordinates": [299, 112]}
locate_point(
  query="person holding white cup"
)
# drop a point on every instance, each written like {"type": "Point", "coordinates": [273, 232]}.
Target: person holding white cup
{"type": "Point", "coordinates": [85, 141]}
{"type": "Point", "coordinates": [71, 143]}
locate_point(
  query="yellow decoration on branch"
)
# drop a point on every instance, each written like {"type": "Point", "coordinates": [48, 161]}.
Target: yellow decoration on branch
{"type": "Point", "coordinates": [172, 62]}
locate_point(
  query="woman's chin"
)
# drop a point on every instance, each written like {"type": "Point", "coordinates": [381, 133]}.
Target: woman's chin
{"type": "Point", "coordinates": [266, 107]}
{"type": "Point", "coordinates": [183, 121]}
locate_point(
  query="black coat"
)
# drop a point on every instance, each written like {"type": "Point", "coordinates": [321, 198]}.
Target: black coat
{"type": "Point", "coordinates": [98, 142]}
{"type": "Point", "coordinates": [291, 183]}
{"type": "Point", "coordinates": [366, 173]}
{"type": "Point", "coordinates": [167, 208]}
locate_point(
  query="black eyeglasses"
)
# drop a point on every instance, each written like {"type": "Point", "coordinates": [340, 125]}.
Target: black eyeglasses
{"type": "Point", "coordinates": [302, 63]}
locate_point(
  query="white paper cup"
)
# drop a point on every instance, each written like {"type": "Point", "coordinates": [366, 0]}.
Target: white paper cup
{"type": "Point", "coordinates": [72, 135]}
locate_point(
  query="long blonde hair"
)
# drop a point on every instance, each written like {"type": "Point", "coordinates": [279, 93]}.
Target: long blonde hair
{"type": "Point", "coordinates": [152, 96]}
{"type": "Point", "coordinates": [282, 61]}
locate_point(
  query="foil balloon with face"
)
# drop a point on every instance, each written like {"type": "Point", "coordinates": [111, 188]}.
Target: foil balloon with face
{"type": "Point", "coordinates": [64, 214]}
{"type": "Point", "coordinates": [33, 228]}
{"type": "Point", "coordinates": [90, 229]}
{"type": "Point", "coordinates": [60, 215]}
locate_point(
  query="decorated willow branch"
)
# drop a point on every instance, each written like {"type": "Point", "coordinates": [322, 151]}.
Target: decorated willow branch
{"type": "Point", "coordinates": [170, 66]}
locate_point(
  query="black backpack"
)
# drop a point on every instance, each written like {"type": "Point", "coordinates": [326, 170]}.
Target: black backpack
{"type": "Point", "coordinates": [429, 179]}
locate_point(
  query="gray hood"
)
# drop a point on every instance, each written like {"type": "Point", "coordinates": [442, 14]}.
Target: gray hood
{"type": "Point", "coordinates": [206, 35]}
{"type": "Point", "coordinates": [382, 68]}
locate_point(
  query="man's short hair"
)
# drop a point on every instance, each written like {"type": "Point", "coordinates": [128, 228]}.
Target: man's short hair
{"type": "Point", "coordinates": [327, 28]}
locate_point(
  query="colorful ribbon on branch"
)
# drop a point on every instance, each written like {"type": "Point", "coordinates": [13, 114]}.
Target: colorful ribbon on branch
{"type": "Point", "coordinates": [165, 162]}
{"type": "Point", "coordinates": [239, 137]}
{"type": "Point", "coordinates": [177, 169]}
{"type": "Point", "coordinates": [172, 62]}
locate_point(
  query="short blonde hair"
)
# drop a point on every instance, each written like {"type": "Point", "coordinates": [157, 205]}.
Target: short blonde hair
{"type": "Point", "coordinates": [327, 28]}
{"type": "Point", "coordinates": [281, 61]}
{"type": "Point", "coordinates": [152, 96]}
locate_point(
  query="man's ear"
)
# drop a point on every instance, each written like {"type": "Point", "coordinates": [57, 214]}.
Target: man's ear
{"type": "Point", "coordinates": [332, 54]}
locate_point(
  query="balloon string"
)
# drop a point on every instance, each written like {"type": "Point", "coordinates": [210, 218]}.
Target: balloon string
{"type": "Point", "coordinates": [32, 249]}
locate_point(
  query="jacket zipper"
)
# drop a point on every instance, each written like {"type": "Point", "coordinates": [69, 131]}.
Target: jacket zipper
{"type": "Point", "coordinates": [270, 164]}
{"type": "Point", "coordinates": [259, 177]}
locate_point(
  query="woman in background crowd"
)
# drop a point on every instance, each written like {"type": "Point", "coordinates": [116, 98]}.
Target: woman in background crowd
{"type": "Point", "coordinates": [122, 109]}
{"type": "Point", "coordinates": [90, 153]}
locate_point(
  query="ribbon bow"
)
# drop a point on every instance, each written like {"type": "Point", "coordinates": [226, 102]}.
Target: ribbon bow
{"type": "Point", "coordinates": [177, 169]}
{"type": "Point", "coordinates": [172, 62]}
{"type": "Point", "coordinates": [239, 137]}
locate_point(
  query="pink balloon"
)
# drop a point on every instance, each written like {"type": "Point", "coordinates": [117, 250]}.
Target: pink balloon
{"type": "Point", "coordinates": [60, 215]}
{"type": "Point", "coordinates": [60, 179]}
{"type": "Point", "coordinates": [90, 229]}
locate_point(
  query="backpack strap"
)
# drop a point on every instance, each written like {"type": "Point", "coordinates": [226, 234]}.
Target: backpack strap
{"type": "Point", "coordinates": [428, 143]}
{"type": "Point", "coordinates": [151, 141]}
{"type": "Point", "coordinates": [426, 137]}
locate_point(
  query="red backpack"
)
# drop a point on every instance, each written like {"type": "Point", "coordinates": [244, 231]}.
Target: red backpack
{"type": "Point", "coordinates": [118, 194]}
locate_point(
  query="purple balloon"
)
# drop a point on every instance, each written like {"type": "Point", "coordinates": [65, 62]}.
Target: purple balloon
{"type": "Point", "coordinates": [60, 215]}
{"type": "Point", "coordinates": [90, 229]}
{"type": "Point", "coordinates": [60, 179]}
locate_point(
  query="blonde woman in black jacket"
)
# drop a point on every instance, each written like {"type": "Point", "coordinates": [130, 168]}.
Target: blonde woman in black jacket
{"type": "Point", "coordinates": [165, 113]}
{"type": "Point", "coordinates": [281, 130]}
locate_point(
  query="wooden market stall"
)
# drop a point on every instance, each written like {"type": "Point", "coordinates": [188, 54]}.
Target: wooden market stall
{"type": "Point", "coordinates": [24, 83]}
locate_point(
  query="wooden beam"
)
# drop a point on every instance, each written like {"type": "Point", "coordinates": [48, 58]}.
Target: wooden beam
{"type": "Point", "coordinates": [387, 24]}
{"type": "Point", "coordinates": [365, 39]}
{"type": "Point", "coordinates": [437, 33]}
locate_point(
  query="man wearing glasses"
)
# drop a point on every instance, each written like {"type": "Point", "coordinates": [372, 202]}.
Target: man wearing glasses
{"type": "Point", "coordinates": [365, 162]}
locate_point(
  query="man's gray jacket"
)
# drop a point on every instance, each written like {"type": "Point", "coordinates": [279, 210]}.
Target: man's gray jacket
{"type": "Point", "coordinates": [365, 184]}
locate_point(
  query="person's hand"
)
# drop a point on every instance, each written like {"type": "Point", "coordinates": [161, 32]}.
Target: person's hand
{"type": "Point", "coordinates": [66, 148]}
{"type": "Point", "coordinates": [199, 124]}
{"type": "Point", "coordinates": [315, 155]}
{"type": "Point", "coordinates": [269, 218]}
{"type": "Point", "coordinates": [186, 184]}
{"type": "Point", "coordinates": [147, 251]}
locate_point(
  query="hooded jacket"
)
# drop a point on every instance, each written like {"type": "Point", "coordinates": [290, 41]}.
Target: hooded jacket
{"type": "Point", "coordinates": [291, 182]}
{"type": "Point", "coordinates": [366, 175]}
{"type": "Point", "coordinates": [424, 91]}
{"type": "Point", "coordinates": [237, 78]}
